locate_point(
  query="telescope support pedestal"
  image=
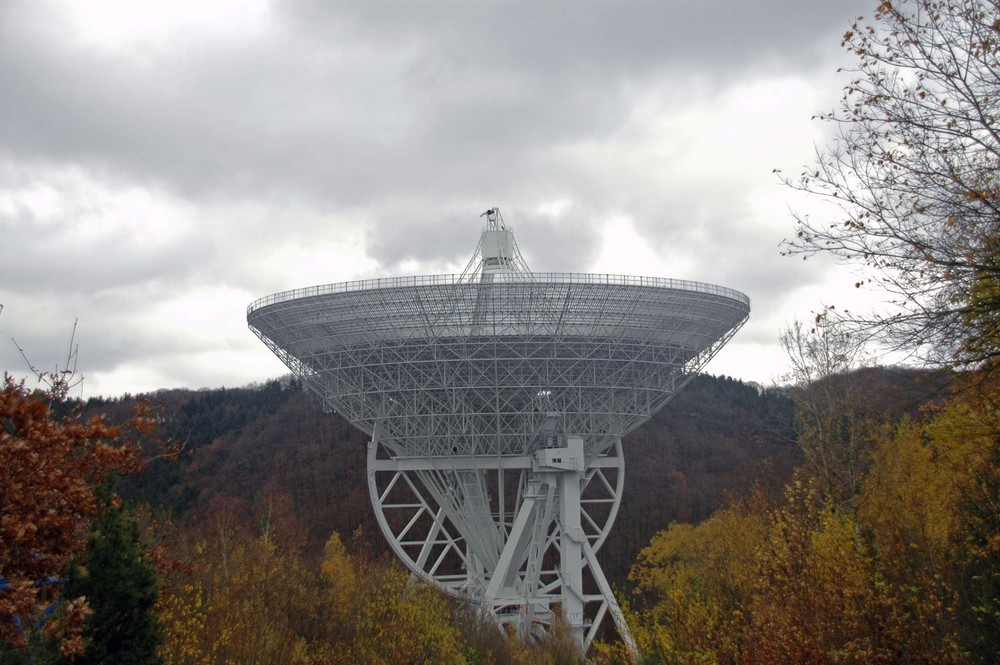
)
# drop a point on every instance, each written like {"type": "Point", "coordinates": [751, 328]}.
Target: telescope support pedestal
{"type": "Point", "coordinates": [522, 556]}
{"type": "Point", "coordinates": [551, 514]}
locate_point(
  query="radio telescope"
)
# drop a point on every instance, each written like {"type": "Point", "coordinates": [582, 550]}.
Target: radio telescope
{"type": "Point", "coordinates": [496, 402]}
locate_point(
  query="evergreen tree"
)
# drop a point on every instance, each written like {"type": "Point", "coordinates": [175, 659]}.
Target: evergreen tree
{"type": "Point", "coordinates": [120, 583]}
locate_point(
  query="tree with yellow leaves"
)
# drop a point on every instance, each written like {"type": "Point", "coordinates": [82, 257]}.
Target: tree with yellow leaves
{"type": "Point", "coordinates": [911, 575]}
{"type": "Point", "coordinates": [930, 509]}
{"type": "Point", "coordinates": [252, 600]}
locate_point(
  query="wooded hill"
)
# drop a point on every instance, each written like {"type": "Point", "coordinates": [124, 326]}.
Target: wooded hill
{"type": "Point", "coordinates": [269, 451]}
{"type": "Point", "coordinates": [744, 511]}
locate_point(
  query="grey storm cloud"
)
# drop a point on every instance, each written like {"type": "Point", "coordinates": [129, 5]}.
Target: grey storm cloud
{"type": "Point", "coordinates": [341, 98]}
{"type": "Point", "coordinates": [363, 138]}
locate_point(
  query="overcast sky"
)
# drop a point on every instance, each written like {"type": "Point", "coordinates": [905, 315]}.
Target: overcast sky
{"type": "Point", "coordinates": [163, 164]}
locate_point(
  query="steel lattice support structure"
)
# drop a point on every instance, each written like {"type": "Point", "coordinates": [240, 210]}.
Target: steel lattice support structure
{"type": "Point", "coordinates": [496, 401]}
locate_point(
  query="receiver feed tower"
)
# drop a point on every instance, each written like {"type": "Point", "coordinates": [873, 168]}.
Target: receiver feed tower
{"type": "Point", "coordinates": [496, 401]}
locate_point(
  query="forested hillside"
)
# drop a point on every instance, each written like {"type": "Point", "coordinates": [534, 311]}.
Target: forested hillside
{"type": "Point", "coordinates": [270, 449]}
{"type": "Point", "coordinates": [264, 547]}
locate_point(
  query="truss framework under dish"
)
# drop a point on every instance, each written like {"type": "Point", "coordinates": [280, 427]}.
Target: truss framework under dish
{"type": "Point", "coordinates": [517, 534]}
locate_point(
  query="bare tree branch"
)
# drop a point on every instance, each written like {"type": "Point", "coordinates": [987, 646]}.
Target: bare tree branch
{"type": "Point", "coordinates": [913, 175]}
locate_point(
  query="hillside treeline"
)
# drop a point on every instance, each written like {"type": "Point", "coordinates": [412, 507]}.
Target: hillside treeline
{"type": "Point", "coordinates": [270, 448]}
{"type": "Point", "coordinates": [851, 520]}
{"type": "Point", "coordinates": [242, 524]}
{"type": "Point", "coordinates": [260, 533]}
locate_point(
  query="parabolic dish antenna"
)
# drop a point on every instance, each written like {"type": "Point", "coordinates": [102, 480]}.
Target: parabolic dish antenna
{"type": "Point", "coordinates": [496, 401]}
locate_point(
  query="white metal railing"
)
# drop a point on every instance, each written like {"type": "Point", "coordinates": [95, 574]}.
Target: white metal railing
{"type": "Point", "coordinates": [531, 278]}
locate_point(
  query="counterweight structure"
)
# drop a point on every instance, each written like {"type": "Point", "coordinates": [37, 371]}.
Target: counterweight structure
{"type": "Point", "coordinates": [496, 401]}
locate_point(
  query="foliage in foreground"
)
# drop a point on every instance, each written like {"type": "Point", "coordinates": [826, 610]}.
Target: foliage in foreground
{"type": "Point", "coordinates": [254, 599]}
{"type": "Point", "coordinates": [49, 468]}
{"type": "Point", "coordinates": [911, 575]}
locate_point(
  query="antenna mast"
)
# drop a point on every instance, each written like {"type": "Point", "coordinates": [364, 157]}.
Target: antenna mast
{"type": "Point", "coordinates": [497, 252]}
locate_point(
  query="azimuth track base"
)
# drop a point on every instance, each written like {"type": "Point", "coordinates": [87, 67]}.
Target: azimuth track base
{"type": "Point", "coordinates": [517, 534]}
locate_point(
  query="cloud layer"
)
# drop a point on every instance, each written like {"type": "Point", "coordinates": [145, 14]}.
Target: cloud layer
{"type": "Point", "coordinates": [158, 172]}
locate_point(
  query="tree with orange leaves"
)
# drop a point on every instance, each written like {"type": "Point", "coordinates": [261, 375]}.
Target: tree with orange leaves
{"type": "Point", "coordinates": [49, 467]}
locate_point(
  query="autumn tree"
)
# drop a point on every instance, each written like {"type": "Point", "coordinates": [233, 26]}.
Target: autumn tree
{"type": "Point", "coordinates": [694, 584]}
{"type": "Point", "coordinates": [253, 599]}
{"type": "Point", "coordinates": [249, 599]}
{"type": "Point", "coordinates": [913, 175]}
{"type": "Point", "coordinates": [930, 508]}
{"type": "Point", "coordinates": [49, 466]}
{"type": "Point", "coordinates": [910, 575]}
